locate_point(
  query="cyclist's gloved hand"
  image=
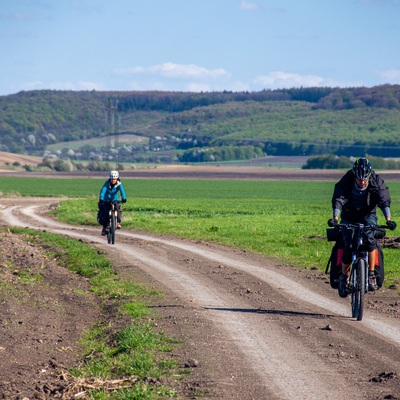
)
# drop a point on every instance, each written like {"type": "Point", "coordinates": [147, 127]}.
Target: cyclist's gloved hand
{"type": "Point", "coordinates": [391, 225]}
{"type": "Point", "coordinates": [332, 222]}
{"type": "Point", "coordinates": [123, 201]}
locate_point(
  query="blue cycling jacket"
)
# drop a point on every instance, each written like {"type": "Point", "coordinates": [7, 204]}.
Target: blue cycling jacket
{"type": "Point", "coordinates": [109, 193]}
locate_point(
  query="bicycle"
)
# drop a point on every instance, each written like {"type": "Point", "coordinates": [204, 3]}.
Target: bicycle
{"type": "Point", "coordinates": [112, 221]}
{"type": "Point", "coordinates": [358, 282]}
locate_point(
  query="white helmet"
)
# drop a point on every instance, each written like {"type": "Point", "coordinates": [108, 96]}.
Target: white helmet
{"type": "Point", "coordinates": [114, 175]}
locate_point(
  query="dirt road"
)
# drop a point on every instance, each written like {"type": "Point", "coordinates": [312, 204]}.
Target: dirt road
{"type": "Point", "coordinates": [257, 329]}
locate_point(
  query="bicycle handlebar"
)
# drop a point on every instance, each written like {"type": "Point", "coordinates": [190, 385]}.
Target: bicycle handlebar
{"type": "Point", "coordinates": [109, 202]}
{"type": "Point", "coordinates": [356, 225]}
{"type": "Point", "coordinates": [361, 226]}
{"type": "Point", "coordinates": [114, 202]}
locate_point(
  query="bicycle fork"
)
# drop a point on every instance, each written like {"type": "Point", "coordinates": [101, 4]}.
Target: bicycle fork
{"type": "Point", "coordinates": [355, 260]}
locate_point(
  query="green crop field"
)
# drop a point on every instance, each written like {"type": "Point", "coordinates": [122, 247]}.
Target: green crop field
{"type": "Point", "coordinates": [283, 220]}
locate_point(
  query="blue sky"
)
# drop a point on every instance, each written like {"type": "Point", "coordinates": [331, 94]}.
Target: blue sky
{"type": "Point", "coordinates": [197, 45]}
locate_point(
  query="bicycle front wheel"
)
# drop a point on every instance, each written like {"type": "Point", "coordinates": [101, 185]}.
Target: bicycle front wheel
{"type": "Point", "coordinates": [109, 233]}
{"type": "Point", "coordinates": [358, 289]}
{"type": "Point", "coordinates": [113, 226]}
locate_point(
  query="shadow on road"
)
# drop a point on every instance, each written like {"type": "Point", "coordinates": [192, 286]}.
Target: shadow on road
{"type": "Point", "coordinates": [272, 312]}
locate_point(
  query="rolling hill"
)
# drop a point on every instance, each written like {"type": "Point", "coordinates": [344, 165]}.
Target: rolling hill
{"type": "Point", "coordinates": [202, 126]}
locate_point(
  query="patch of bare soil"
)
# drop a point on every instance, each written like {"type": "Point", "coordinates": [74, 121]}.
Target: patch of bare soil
{"type": "Point", "coordinates": [44, 311]}
{"type": "Point", "coordinates": [251, 328]}
{"type": "Point", "coordinates": [9, 159]}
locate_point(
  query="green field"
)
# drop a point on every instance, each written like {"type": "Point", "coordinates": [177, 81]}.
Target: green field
{"type": "Point", "coordinates": [283, 220]}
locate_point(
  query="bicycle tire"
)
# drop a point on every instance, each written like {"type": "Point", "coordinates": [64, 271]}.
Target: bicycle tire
{"type": "Point", "coordinates": [113, 226]}
{"type": "Point", "coordinates": [358, 289]}
{"type": "Point", "coordinates": [353, 291]}
{"type": "Point", "coordinates": [109, 234]}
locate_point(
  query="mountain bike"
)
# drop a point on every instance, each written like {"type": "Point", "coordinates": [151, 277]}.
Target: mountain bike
{"type": "Point", "coordinates": [358, 282]}
{"type": "Point", "coordinates": [112, 221]}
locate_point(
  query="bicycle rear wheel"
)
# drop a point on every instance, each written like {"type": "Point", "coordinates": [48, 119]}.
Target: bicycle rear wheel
{"type": "Point", "coordinates": [358, 289]}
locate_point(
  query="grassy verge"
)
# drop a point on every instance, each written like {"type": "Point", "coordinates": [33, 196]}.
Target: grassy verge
{"type": "Point", "coordinates": [124, 362]}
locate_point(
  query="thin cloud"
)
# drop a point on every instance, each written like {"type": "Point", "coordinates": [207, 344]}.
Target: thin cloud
{"type": "Point", "coordinates": [198, 87]}
{"type": "Point", "coordinates": [33, 85]}
{"type": "Point", "coordinates": [186, 86]}
{"type": "Point", "coordinates": [390, 75]}
{"type": "Point", "coordinates": [24, 13]}
{"type": "Point", "coordinates": [287, 80]}
{"type": "Point", "coordinates": [19, 16]}
{"type": "Point", "coordinates": [82, 7]}
{"type": "Point", "coordinates": [80, 85]}
{"type": "Point", "coordinates": [176, 71]}
{"type": "Point", "coordinates": [280, 79]}
{"type": "Point", "coordinates": [249, 6]}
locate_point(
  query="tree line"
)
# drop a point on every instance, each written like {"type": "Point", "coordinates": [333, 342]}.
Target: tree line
{"type": "Point", "coordinates": [335, 162]}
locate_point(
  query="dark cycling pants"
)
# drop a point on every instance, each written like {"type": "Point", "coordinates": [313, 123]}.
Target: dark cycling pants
{"type": "Point", "coordinates": [102, 215]}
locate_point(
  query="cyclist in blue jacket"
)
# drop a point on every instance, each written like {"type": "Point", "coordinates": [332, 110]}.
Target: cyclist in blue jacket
{"type": "Point", "coordinates": [355, 199]}
{"type": "Point", "coordinates": [108, 194]}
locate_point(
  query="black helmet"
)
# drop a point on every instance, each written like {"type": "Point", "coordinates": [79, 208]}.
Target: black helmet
{"type": "Point", "coordinates": [362, 169]}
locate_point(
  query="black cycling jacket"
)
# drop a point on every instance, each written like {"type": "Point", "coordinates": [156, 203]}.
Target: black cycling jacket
{"type": "Point", "coordinates": [378, 196]}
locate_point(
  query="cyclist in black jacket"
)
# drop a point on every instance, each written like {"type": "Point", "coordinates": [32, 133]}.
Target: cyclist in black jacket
{"type": "Point", "coordinates": [355, 199]}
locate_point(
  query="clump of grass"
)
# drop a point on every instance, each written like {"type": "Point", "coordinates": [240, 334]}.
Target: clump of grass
{"type": "Point", "coordinates": [27, 278]}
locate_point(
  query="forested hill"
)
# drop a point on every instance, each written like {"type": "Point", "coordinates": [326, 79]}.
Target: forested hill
{"type": "Point", "coordinates": [281, 122]}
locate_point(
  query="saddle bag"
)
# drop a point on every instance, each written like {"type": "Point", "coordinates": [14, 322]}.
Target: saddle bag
{"type": "Point", "coordinates": [102, 215]}
{"type": "Point", "coordinates": [334, 265]}
{"type": "Point", "coordinates": [379, 265]}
